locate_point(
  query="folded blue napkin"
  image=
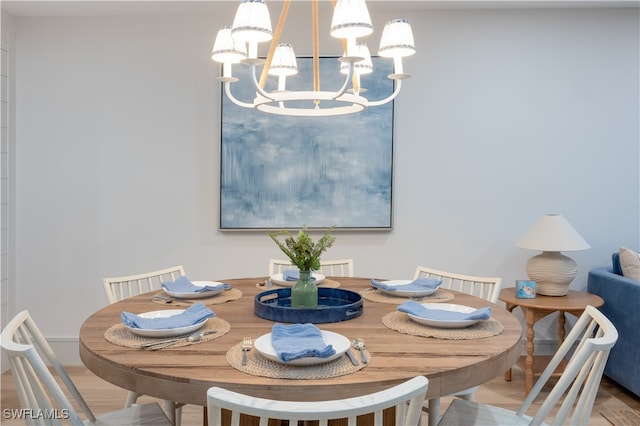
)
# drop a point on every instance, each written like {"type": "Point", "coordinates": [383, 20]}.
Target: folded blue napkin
{"type": "Point", "coordinates": [183, 285]}
{"type": "Point", "coordinates": [418, 310]}
{"type": "Point", "coordinates": [195, 314]}
{"type": "Point", "coordinates": [293, 275]}
{"type": "Point", "coordinates": [419, 284]}
{"type": "Point", "coordinates": [299, 341]}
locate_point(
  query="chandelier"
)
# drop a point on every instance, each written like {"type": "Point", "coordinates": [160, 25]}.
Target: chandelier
{"type": "Point", "coordinates": [351, 21]}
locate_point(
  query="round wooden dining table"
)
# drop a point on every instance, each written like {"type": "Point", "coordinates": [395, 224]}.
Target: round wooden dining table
{"type": "Point", "coordinates": [184, 374]}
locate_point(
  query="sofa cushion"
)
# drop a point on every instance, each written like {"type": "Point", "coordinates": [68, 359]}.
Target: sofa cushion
{"type": "Point", "coordinates": [630, 263]}
{"type": "Point", "coordinates": [615, 263]}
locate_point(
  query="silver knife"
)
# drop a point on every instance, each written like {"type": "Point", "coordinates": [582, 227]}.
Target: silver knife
{"type": "Point", "coordinates": [194, 337]}
{"type": "Point", "coordinates": [353, 359]}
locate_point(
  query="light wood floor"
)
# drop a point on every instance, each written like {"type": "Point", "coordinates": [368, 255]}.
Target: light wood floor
{"type": "Point", "coordinates": [102, 396]}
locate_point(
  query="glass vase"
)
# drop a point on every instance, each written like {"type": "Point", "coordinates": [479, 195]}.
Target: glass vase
{"type": "Point", "coordinates": [304, 293]}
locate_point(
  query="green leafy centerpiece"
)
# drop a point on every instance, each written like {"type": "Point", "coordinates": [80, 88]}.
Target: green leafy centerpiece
{"type": "Point", "coordinates": [305, 254]}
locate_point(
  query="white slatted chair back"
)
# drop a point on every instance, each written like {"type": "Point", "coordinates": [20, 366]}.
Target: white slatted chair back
{"type": "Point", "coordinates": [337, 268]}
{"type": "Point", "coordinates": [590, 340]}
{"type": "Point", "coordinates": [29, 353]}
{"type": "Point", "coordinates": [330, 268]}
{"type": "Point", "coordinates": [119, 288]}
{"type": "Point", "coordinates": [276, 266]}
{"type": "Point", "coordinates": [484, 287]}
{"type": "Point", "coordinates": [406, 397]}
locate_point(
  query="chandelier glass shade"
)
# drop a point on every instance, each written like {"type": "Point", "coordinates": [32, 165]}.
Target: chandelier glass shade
{"type": "Point", "coordinates": [238, 44]}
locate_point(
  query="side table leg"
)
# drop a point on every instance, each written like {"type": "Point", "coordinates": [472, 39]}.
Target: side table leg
{"type": "Point", "coordinates": [561, 322]}
{"type": "Point", "coordinates": [507, 374]}
{"type": "Point", "coordinates": [528, 371]}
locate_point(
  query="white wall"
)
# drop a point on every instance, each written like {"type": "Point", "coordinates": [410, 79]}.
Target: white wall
{"type": "Point", "coordinates": [7, 178]}
{"type": "Point", "coordinates": [510, 114]}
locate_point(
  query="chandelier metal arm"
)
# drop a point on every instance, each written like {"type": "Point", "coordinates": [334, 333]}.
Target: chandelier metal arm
{"type": "Point", "coordinates": [388, 98]}
{"type": "Point", "coordinates": [227, 90]}
{"type": "Point", "coordinates": [346, 82]}
{"type": "Point", "coordinates": [257, 86]}
{"type": "Point", "coordinates": [273, 96]}
{"type": "Point", "coordinates": [350, 103]}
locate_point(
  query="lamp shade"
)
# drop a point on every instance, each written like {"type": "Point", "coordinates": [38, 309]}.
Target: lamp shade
{"type": "Point", "coordinates": [397, 39]}
{"type": "Point", "coordinates": [284, 61]}
{"type": "Point", "coordinates": [552, 232]}
{"type": "Point", "coordinates": [252, 22]}
{"type": "Point", "coordinates": [227, 49]}
{"type": "Point", "coordinates": [351, 19]}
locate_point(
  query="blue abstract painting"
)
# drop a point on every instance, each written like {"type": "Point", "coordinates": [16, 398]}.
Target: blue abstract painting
{"type": "Point", "coordinates": [288, 172]}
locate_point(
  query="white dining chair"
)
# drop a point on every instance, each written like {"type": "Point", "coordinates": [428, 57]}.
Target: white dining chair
{"type": "Point", "coordinates": [39, 392]}
{"type": "Point", "coordinates": [487, 288]}
{"type": "Point", "coordinates": [330, 268]}
{"type": "Point", "coordinates": [406, 397]}
{"type": "Point", "coordinates": [590, 340]}
{"type": "Point", "coordinates": [484, 287]}
{"type": "Point", "coordinates": [119, 288]}
{"type": "Point", "coordinates": [276, 266]}
{"type": "Point", "coordinates": [337, 268]}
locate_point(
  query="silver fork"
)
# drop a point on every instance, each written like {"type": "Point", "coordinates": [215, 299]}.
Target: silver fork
{"type": "Point", "coordinates": [168, 299]}
{"type": "Point", "coordinates": [246, 347]}
{"type": "Point", "coordinates": [195, 337]}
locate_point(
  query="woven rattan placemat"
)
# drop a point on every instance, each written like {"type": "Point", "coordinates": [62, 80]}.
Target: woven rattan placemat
{"type": "Point", "coordinates": [257, 365]}
{"type": "Point", "coordinates": [375, 295]}
{"type": "Point", "coordinates": [400, 321]}
{"type": "Point", "coordinates": [326, 284]}
{"type": "Point", "coordinates": [120, 335]}
{"type": "Point", "coordinates": [218, 299]}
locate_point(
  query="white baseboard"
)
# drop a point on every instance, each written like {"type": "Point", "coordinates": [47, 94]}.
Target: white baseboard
{"type": "Point", "coordinates": [67, 349]}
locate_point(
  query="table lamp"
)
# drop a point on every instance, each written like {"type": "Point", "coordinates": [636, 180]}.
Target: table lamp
{"type": "Point", "coordinates": [551, 270]}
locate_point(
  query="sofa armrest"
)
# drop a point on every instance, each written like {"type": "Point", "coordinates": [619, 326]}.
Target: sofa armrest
{"type": "Point", "coordinates": [621, 302]}
{"type": "Point", "coordinates": [621, 295]}
{"type": "Point", "coordinates": [605, 280]}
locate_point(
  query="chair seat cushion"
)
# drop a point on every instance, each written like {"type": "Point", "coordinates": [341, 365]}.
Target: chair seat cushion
{"type": "Point", "coordinates": [462, 412]}
{"type": "Point", "coordinates": [142, 415]}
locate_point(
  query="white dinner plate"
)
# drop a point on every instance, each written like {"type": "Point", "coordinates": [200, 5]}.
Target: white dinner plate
{"type": "Point", "coordinates": [405, 293]}
{"type": "Point", "coordinates": [277, 279]}
{"type": "Point", "coordinates": [165, 332]}
{"type": "Point", "coordinates": [442, 323]}
{"type": "Point", "coordinates": [196, 294]}
{"type": "Point", "coordinates": [338, 341]}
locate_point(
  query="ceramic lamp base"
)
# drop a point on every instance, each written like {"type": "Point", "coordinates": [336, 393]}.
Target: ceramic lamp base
{"type": "Point", "coordinates": [553, 272]}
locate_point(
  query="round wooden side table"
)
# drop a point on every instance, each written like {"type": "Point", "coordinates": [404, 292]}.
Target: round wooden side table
{"type": "Point", "coordinates": [574, 302]}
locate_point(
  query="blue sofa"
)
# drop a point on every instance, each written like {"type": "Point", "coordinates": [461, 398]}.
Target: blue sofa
{"type": "Point", "coordinates": [621, 305]}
